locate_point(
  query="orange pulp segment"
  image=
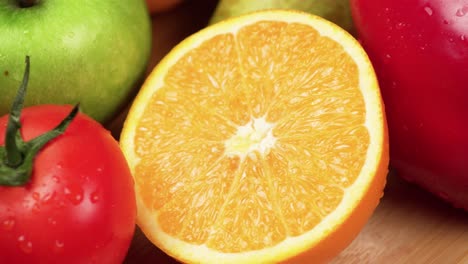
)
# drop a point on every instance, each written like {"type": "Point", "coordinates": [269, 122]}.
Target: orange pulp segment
{"type": "Point", "coordinates": [258, 139]}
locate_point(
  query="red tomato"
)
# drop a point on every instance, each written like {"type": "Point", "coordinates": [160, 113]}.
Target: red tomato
{"type": "Point", "coordinates": [419, 50]}
{"type": "Point", "coordinates": [79, 205]}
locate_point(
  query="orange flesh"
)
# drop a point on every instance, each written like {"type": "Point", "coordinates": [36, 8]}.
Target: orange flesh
{"type": "Point", "coordinates": [304, 86]}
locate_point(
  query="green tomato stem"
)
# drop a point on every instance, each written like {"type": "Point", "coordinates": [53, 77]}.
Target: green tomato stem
{"type": "Point", "coordinates": [13, 154]}
{"type": "Point", "coordinates": [17, 157]}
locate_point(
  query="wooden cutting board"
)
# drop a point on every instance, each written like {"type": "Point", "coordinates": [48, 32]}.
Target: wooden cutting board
{"type": "Point", "coordinates": [409, 226]}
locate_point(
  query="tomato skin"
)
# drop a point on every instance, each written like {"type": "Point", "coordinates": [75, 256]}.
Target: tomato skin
{"type": "Point", "coordinates": [79, 206]}
{"type": "Point", "coordinates": [419, 50]}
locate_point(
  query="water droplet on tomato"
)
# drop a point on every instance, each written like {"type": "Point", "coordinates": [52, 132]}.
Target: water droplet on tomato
{"type": "Point", "coordinates": [400, 25]}
{"type": "Point", "coordinates": [56, 179]}
{"type": "Point", "coordinates": [95, 197]}
{"type": "Point", "coordinates": [76, 199]}
{"type": "Point", "coordinates": [74, 195]}
{"type": "Point", "coordinates": [48, 197]}
{"type": "Point", "coordinates": [428, 10]}
{"type": "Point", "coordinates": [51, 221]}
{"type": "Point", "coordinates": [36, 196]}
{"type": "Point", "coordinates": [24, 244]}
{"type": "Point", "coordinates": [8, 223]}
{"type": "Point", "coordinates": [462, 37]}
{"type": "Point", "coordinates": [58, 245]}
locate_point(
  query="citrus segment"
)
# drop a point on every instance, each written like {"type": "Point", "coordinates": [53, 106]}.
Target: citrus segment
{"type": "Point", "coordinates": [256, 140]}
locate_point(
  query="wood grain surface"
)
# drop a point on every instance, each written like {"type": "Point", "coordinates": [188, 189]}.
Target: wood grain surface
{"type": "Point", "coordinates": [409, 226]}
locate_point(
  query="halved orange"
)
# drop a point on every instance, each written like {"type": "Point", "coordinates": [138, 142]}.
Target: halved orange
{"type": "Point", "coordinates": [258, 139]}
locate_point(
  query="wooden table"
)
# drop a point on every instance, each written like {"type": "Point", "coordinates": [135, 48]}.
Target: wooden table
{"type": "Point", "coordinates": [409, 226]}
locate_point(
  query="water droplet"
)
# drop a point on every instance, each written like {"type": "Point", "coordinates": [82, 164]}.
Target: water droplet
{"type": "Point", "coordinates": [58, 245]}
{"type": "Point", "coordinates": [95, 197]}
{"type": "Point", "coordinates": [451, 40]}
{"type": "Point", "coordinates": [99, 169]}
{"type": "Point", "coordinates": [400, 25]}
{"type": "Point", "coordinates": [24, 244]}
{"type": "Point", "coordinates": [51, 221]}
{"type": "Point", "coordinates": [8, 223]}
{"type": "Point", "coordinates": [36, 196]}
{"type": "Point", "coordinates": [387, 58]}
{"type": "Point", "coordinates": [56, 179]}
{"type": "Point", "coordinates": [74, 195]}
{"type": "Point", "coordinates": [76, 199]}
{"type": "Point", "coordinates": [48, 197]}
{"type": "Point", "coordinates": [462, 11]}
{"type": "Point", "coordinates": [428, 10]}
{"type": "Point", "coordinates": [462, 37]}
{"type": "Point", "coordinates": [445, 22]}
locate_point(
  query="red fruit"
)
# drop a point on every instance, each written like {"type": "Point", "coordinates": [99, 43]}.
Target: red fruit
{"type": "Point", "coordinates": [66, 192]}
{"type": "Point", "coordinates": [419, 49]}
{"type": "Point", "coordinates": [158, 6]}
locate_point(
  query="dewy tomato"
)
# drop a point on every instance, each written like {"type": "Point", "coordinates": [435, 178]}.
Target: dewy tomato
{"type": "Point", "coordinates": [419, 49]}
{"type": "Point", "coordinates": [77, 204]}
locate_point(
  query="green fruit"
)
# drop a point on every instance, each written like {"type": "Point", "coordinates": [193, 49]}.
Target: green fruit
{"type": "Point", "coordinates": [92, 52]}
{"type": "Point", "coordinates": [337, 11]}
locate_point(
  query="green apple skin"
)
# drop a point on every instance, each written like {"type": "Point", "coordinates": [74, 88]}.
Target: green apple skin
{"type": "Point", "coordinates": [336, 11]}
{"type": "Point", "coordinates": [92, 52]}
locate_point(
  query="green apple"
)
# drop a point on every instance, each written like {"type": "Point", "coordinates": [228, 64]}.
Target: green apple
{"type": "Point", "coordinates": [92, 52]}
{"type": "Point", "coordinates": [337, 11]}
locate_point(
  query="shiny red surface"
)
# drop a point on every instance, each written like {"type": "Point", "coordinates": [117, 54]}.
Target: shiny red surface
{"type": "Point", "coordinates": [79, 206]}
{"type": "Point", "coordinates": [419, 50]}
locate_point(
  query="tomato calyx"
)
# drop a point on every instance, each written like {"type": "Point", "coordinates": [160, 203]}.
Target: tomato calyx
{"type": "Point", "coordinates": [17, 156]}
